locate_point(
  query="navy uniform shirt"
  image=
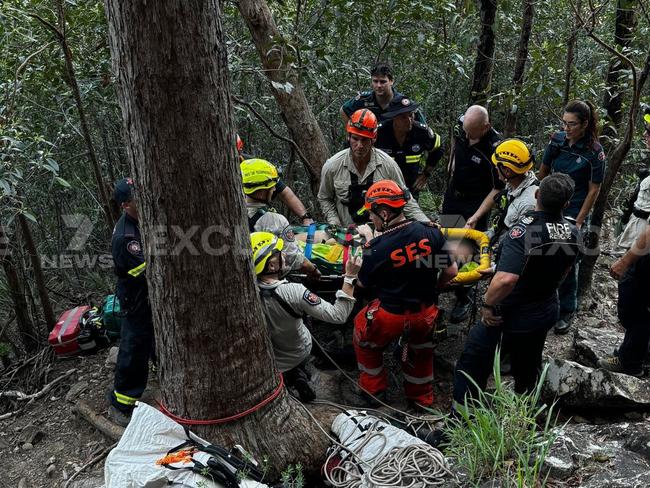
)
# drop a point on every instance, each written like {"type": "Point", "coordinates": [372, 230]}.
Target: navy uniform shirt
{"type": "Point", "coordinates": [541, 249]}
{"type": "Point", "coordinates": [367, 99]}
{"type": "Point", "coordinates": [474, 175]}
{"type": "Point", "coordinates": [583, 162]}
{"type": "Point", "coordinates": [400, 267]}
{"type": "Point", "coordinates": [411, 155]}
{"type": "Point", "coordinates": [130, 265]}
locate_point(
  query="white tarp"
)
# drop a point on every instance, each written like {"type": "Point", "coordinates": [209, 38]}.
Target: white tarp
{"type": "Point", "coordinates": [148, 437]}
{"type": "Point", "coordinates": [351, 428]}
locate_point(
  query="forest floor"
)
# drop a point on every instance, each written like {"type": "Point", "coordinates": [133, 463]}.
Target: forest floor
{"type": "Point", "coordinates": [46, 443]}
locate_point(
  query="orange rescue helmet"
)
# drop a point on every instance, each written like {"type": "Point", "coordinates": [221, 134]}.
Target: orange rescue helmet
{"type": "Point", "coordinates": [386, 192]}
{"type": "Point", "coordinates": [363, 123]}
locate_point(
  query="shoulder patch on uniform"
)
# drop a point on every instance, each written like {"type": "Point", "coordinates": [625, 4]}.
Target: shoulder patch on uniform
{"type": "Point", "coordinates": [287, 234]}
{"type": "Point", "coordinates": [601, 156]}
{"type": "Point", "coordinates": [134, 247]}
{"type": "Point", "coordinates": [416, 147]}
{"type": "Point", "coordinates": [528, 219]}
{"type": "Point", "coordinates": [311, 298]}
{"type": "Point", "coordinates": [517, 231]}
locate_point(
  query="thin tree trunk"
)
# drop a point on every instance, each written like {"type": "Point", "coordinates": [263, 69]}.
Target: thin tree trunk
{"type": "Point", "coordinates": [71, 80]}
{"type": "Point", "coordinates": [484, 63]}
{"type": "Point", "coordinates": [570, 56]}
{"type": "Point", "coordinates": [215, 356]}
{"type": "Point", "coordinates": [614, 163]}
{"type": "Point", "coordinates": [39, 276]}
{"type": "Point", "coordinates": [510, 126]}
{"type": "Point", "coordinates": [26, 330]}
{"type": "Point", "coordinates": [295, 110]}
{"type": "Point", "coordinates": [616, 77]}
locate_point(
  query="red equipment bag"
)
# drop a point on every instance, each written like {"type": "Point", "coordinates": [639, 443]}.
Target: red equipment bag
{"type": "Point", "coordinates": [63, 337]}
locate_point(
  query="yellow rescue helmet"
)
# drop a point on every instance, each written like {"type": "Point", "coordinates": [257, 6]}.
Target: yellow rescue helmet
{"type": "Point", "coordinates": [646, 119]}
{"type": "Point", "coordinates": [264, 245]}
{"type": "Point", "coordinates": [258, 174]}
{"type": "Point", "coordinates": [514, 155]}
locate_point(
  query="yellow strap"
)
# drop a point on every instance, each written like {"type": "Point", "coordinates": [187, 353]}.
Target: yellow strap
{"type": "Point", "coordinates": [415, 158]}
{"type": "Point", "coordinates": [124, 399]}
{"type": "Point", "coordinates": [138, 270]}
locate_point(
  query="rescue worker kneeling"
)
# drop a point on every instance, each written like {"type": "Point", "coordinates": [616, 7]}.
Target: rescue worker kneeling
{"type": "Point", "coordinates": [521, 303]}
{"type": "Point", "coordinates": [284, 304]}
{"type": "Point", "coordinates": [400, 268]}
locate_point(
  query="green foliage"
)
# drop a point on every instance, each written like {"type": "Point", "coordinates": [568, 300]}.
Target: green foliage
{"type": "Point", "coordinates": [498, 435]}
{"type": "Point", "coordinates": [292, 477]}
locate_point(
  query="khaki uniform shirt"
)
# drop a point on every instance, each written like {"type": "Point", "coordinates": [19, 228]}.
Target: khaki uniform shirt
{"type": "Point", "coordinates": [335, 180]}
{"type": "Point", "coordinates": [290, 338]}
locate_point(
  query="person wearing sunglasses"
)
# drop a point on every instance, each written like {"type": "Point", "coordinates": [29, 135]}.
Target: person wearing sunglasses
{"type": "Point", "coordinates": [575, 151]}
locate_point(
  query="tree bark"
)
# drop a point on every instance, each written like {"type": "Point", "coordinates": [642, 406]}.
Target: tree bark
{"type": "Point", "coordinates": [510, 126]}
{"type": "Point", "coordinates": [277, 64]}
{"type": "Point", "coordinates": [484, 63]}
{"type": "Point", "coordinates": [29, 337]}
{"type": "Point", "coordinates": [39, 276]}
{"type": "Point", "coordinates": [614, 163]}
{"type": "Point", "coordinates": [215, 356]}
{"type": "Point", "coordinates": [613, 96]}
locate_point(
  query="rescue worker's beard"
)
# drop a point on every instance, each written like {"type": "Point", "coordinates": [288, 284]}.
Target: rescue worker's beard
{"type": "Point", "coordinates": [266, 200]}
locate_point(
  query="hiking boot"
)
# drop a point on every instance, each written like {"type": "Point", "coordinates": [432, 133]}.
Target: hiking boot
{"type": "Point", "coordinates": [613, 364]}
{"type": "Point", "coordinates": [304, 389]}
{"type": "Point", "coordinates": [563, 325]}
{"type": "Point", "coordinates": [461, 310]}
{"type": "Point", "coordinates": [118, 416]}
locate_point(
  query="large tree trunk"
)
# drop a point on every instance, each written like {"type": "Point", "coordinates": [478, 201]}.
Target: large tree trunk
{"type": "Point", "coordinates": [614, 163]}
{"type": "Point", "coordinates": [616, 74]}
{"type": "Point", "coordinates": [484, 53]}
{"type": "Point", "coordinates": [276, 61]}
{"type": "Point", "coordinates": [570, 56]}
{"type": "Point", "coordinates": [26, 330]}
{"type": "Point", "coordinates": [39, 276]}
{"type": "Point", "coordinates": [215, 356]}
{"type": "Point", "coordinates": [510, 126]}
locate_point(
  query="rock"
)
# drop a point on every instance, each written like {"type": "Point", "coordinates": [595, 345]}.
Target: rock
{"type": "Point", "coordinates": [95, 482]}
{"type": "Point", "coordinates": [52, 460]}
{"type": "Point", "coordinates": [111, 358]}
{"type": "Point", "coordinates": [581, 386]}
{"type": "Point", "coordinates": [50, 470]}
{"type": "Point", "coordinates": [27, 446]}
{"type": "Point", "coordinates": [31, 434]}
{"type": "Point", "coordinates": [22, 483]}
{"type": "Point", "coordinates": [591, 344]}
{"type": "Point", "coordinates": [64, 475]}
{"type": "Point", "coordinates": [76, 390]}
{"type": "Point", "coordinates": [612, 455]}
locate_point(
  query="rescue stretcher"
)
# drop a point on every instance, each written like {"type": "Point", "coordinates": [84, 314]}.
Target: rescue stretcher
{"type": "Point", "coordinates": [329, 247]}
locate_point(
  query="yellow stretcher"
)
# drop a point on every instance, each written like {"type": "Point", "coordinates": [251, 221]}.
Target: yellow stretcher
{"type": "Point", "coordinates": [329, 257]}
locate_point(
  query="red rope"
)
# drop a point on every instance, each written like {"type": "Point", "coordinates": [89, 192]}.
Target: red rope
{"type": "Point", "coordinates": [224, 420]}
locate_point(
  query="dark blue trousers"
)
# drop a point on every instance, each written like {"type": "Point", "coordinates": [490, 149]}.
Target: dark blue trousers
{"type": "Point", "coordinates": [633, 303]}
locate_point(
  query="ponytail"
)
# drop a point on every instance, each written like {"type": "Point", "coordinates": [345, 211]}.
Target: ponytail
{"type": "Point", "coordinates": [585, 111]}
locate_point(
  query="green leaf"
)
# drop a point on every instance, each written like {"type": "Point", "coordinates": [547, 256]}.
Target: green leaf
{"type": "Point", "coordinates": [62, 182]}
{"type": "Point", "coordinates": [29, 216]}
{"type": "Point", "coordinates": [5, 186]}
{"type": "Point", "coordinates": [52, 164]}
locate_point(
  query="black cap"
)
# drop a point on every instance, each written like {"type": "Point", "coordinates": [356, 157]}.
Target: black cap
{"type": "Point", "coordinates": [123, 191]}
{"type": "Point", "coordinates": [400, 105]}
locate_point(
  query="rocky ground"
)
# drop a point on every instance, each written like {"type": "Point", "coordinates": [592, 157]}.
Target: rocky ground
{"type": "Point", "coordinates": [604, 444]}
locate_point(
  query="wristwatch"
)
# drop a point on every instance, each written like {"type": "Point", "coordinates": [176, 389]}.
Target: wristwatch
{"type": "Point", "coordinates": [306, 215]}
{"type": "Point", "coordinates": [350, 280]}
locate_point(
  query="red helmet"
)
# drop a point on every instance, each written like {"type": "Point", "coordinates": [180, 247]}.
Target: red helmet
{"type": "Point", "coordinates": [363, 123]}
{"type": "Point", "coordinates": [386, 192]}
{"type": "Point", "coordinates": [240, 144]}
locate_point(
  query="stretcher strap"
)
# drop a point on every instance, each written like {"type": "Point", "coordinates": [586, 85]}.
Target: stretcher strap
{"type": "Point", "coordinates": [311, 231]}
